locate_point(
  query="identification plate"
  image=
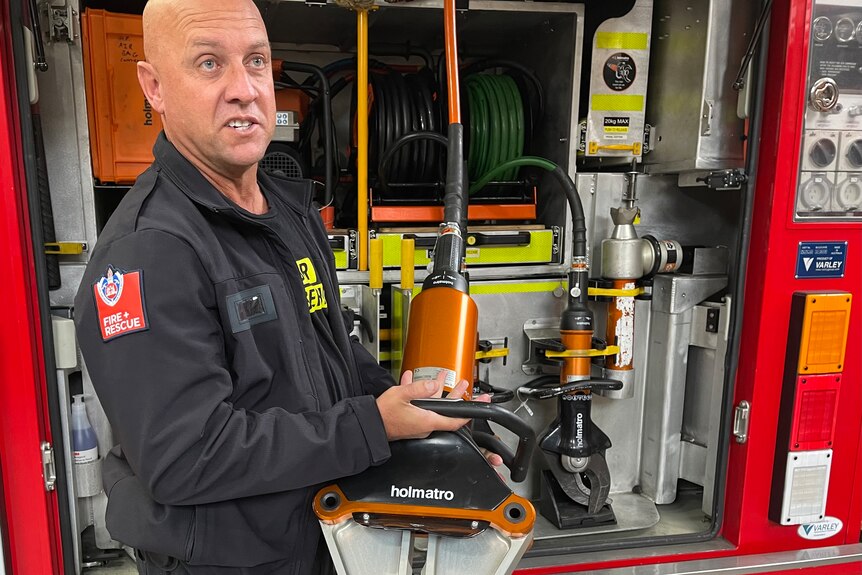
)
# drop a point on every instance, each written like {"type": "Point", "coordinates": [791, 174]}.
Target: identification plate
{"type": "Point", "coordinates": [817, 260]}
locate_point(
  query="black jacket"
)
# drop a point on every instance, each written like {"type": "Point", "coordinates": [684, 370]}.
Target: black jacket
{"type": "Point", "coordinates": [211, 377]}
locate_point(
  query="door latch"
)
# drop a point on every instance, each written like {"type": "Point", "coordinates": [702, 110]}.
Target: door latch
{"type": "Point", "coordinates": [49, 470]}
{"type": "Point", "coordinates": [741, 417]}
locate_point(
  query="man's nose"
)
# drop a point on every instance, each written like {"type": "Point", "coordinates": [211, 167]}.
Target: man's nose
{"type": "Point", "coordinates": [240, 85]}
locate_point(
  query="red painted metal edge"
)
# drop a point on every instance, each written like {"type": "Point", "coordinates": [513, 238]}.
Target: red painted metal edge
{"type": "Point", "coordinates": [32, 518]}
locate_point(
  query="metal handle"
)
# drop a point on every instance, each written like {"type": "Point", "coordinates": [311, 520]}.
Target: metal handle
{"type": "Point", "coordinates": [518, 464]}
{"type": "Point", "coordinates": [741, 418]}
{"type": "Point", "coordinates": [337, 243]}
{"type": "Point", "coordinates": [823, 96]}
{"type": "Point", "coordinates": [513, 239]}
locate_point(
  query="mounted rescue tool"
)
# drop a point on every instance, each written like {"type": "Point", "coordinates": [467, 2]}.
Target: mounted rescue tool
{"type": "Point", "coordinates": [576, 487]}
{"type": "Point", "coordinates": [439, 493]}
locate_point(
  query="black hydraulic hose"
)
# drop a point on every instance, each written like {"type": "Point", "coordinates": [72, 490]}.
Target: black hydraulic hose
{"type": "Point", "coordinates": [453, 200]}
{"type": "Point", "coordinates": [327, 120]}
{"type": "Point", "coordinates": [404, 51]}
{"type": "Point", "coordinates": [579, 222]}
{"type": "Point", "coordinates": [401, 142]}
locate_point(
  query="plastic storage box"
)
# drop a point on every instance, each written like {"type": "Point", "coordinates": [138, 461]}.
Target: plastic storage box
{"type": "Point", "coordinates": [123, 126]}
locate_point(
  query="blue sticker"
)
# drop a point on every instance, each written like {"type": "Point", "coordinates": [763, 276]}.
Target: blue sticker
{"type": "Point", "coordinates": [817, 260]}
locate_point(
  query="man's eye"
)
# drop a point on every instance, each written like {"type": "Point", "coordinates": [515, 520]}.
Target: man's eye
{"type": "Point", "coordinates": [208, 65]}
{"type": "Point", "coordinates": [258, 62]}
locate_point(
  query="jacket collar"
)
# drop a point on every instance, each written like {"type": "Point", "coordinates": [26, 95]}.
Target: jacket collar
{"type": "Point", "coordinates": [296, 194]}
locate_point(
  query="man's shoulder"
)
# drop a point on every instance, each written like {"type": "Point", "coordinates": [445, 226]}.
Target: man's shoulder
{"type": "Point", "coordinates": [152, 202]}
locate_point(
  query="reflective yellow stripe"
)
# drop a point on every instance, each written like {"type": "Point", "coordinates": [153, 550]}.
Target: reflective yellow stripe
{"type": "Point", "coordinates": [481, 288]}
{"type": "Point", "coordinates": [340, 259]}
{"type": "Point", "coordinates": [621, 41]}
{"type": "Point", "coordinates": [485, 288]}
{"type": "Point", "coordinates": [617, 103]}
{"type": "Point", "coordinates": [540, 250]}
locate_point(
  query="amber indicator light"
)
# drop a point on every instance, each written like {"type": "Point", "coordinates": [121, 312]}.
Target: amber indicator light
{"type": "Point", "coordinates": [824, 333]}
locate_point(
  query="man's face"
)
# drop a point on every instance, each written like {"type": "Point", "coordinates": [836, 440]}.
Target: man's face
{"type": "Point", "coordinates": [215, 87]}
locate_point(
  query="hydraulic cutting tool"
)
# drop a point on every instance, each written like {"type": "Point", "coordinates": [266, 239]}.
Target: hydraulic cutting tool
{"type": "Point", "coordinates": [438, 495]}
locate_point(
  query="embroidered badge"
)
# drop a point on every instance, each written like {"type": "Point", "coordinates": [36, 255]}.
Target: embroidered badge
{"type": "Point", "coordinates": [119, 300]}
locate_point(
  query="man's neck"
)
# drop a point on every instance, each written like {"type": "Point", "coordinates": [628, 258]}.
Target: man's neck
{"type": "Point", "coordinates": [240, 187]}
{"type": "Point", "coordinates": [244, 191]}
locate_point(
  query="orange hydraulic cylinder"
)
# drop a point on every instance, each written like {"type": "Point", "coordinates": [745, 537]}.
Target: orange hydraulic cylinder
{"type": "Point", "coordinates": [575, 368]}
{"type": "Point", "coordinates": [441, 336]}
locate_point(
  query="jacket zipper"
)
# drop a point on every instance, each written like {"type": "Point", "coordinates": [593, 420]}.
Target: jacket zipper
{"type": "Point", "coordinates": [299, 312]}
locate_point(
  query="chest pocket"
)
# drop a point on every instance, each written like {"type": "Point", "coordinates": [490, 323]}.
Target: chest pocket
{"type": "Point", "coordinates": [263, 345]}
{"type": "Point", "coordinates": [250, 307]}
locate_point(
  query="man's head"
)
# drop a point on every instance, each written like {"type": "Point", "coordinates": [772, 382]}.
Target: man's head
{"type": "Point", "coordinates": [208, 75]}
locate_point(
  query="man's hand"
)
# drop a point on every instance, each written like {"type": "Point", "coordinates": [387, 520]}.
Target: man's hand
{"type": "Point", "coordinates": [402, 420]}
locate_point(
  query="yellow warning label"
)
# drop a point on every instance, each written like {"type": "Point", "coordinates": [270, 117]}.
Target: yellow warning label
{"type": "Point", "coordinates": [616, 129]}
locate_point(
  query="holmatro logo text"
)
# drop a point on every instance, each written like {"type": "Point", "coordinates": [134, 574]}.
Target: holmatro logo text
{"type": "Point", "coordinates": [419, 493]}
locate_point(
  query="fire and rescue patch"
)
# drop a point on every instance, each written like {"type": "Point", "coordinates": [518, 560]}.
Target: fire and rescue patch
{"type": "Point", "coordinates": [313, 289]}
{"type": "Point", "coordinates": [119, 298]}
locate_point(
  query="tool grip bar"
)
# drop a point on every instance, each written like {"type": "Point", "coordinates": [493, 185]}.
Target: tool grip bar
{"type": "Point", "coordinates": [493, 444]}
{"type": "Point", "coordinates": [519, 464]}
{"type": "Point", "coordinates": [580, 385]}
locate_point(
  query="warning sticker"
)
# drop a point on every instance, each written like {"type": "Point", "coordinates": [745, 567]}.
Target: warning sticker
{"type": "Point", "coordinates": [119, 300]}
{"type": "Point", "coordinates": [616, 127]}
{"type": "Point", "coordinates": [619, 71]}
{"type": "Point", "coordinates": [431, 373]}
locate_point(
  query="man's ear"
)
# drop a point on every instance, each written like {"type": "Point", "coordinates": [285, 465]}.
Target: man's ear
{"type": "Point", "coordinates": [151, 85]}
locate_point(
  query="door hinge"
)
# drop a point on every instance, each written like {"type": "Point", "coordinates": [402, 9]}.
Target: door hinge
{"type": "Point", "coordinates": [61, 23]}
{"type": "Point", "coordinates": [49, 471]}
{"type": "Point", "coordinates": [741, 418]}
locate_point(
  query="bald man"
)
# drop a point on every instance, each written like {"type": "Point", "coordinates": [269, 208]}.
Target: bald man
{"type": "Point", "coordinates": [209, 319]}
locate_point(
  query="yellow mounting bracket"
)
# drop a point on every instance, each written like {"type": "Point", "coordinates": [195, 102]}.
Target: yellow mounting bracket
{"type": "Point", "coordinates": [608, 292]}
{"type": "Point", "coordinates": [635, 148]}
{"type": "Point", "coordinates": [492, 353]}
{"type": "Point", "coordinates": [570, 353]}
{"type": "Point", "coordinates": [65, 248]}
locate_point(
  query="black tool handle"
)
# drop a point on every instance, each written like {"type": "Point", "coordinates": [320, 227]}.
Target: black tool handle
{"type": "Point", "coordinates": [518, 464]}
{"type": "Point", "coordinates": [512, 239]}
{"type": "Point", "coordinates": [579, 385]}
{"type": "Point", "coordinates": [576, 425]}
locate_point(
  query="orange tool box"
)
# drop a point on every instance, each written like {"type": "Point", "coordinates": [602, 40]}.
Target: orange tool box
{"type": "Point", "coordinates": [123, 126]}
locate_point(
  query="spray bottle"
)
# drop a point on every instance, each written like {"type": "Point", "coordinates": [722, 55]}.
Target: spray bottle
{"type": "Point", "coordinates": [86, 450]}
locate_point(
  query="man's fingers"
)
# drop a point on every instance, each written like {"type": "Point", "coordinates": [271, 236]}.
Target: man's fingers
{"type": "Point", "coordinates": [421, 389]}
{"type": "Point", "coordinates": [406, 378]}
{"type": "Point", "coordinates": [493, 458]}
{"type": "Point", "coordinates": [459, 390]}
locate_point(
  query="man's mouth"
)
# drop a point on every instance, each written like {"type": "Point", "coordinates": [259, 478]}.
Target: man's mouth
{"type": "Point", "coordinates": [240, 125]}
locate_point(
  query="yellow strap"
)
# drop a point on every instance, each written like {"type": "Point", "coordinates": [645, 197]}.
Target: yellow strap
{"type": "Point", "coordinates": [608, 292]}
{"type": "Point", "coordinates": [570, 353]}
{"type": "Point", "coordinates": [496, 352]}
